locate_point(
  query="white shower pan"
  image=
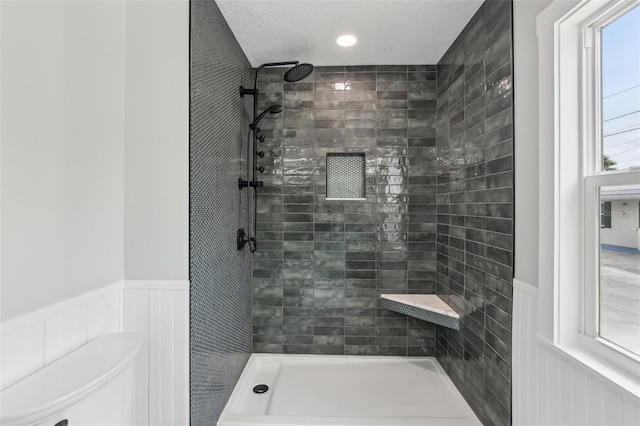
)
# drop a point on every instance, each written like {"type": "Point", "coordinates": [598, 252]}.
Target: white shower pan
{"type": "Point", "coordinates": [324, 390]}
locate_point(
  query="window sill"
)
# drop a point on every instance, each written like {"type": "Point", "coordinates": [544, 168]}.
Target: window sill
{"type": "Point", "coordinates": [595, 365]}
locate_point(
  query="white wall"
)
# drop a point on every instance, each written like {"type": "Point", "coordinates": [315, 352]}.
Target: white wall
{"type": "Point", "coordinates": [550, 387]}
{"type": "Point", "coordinates": [525, 77]}
{"type": "Point", "coordinates": [157, 141]}
{"type": "Point", "coordinates": [63, 94]}
{"type": "Point", "coordinates": [94, 147]}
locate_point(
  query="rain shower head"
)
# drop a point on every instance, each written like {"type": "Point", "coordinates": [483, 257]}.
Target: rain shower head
{"type": "Point", "coordinates": [298, 72]}
{"type": "Point", "coordinates": [273, 109]}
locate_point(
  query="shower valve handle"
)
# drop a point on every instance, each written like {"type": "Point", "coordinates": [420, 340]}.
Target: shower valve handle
{"type": "Point", "coordinates": [260, 154]}
{"type": "Point", "coordinates": [260, 138]}
{"type": "Point", "coordinates": [260, 169]}
{"type": "Point", "coordinates": [250, 184]}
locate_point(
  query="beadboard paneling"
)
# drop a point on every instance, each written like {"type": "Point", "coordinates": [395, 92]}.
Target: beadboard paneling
{"type": "Point", "coordinates": [161, 317]}
{"type": "Point", "coordinates": [136, 312]}
{"type": "Point", "coordinates": [550, 387]}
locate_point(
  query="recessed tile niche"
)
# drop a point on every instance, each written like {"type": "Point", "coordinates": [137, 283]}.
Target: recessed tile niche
{"type": "Point", "coordinates": [345, 176]}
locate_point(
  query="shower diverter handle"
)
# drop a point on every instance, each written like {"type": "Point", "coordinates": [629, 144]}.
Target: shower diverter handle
{"type": "Point", "coordinates": [250, 183]}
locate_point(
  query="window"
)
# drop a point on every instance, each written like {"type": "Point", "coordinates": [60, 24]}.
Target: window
{"type": "Point", "coordinates": [619, 259]}
{"type": "Point", "coordinates": [611, 72]}
{"type": "Point", "coordinates": [619, 53]}
{"type": "Point", "coordinates": [596, 183]}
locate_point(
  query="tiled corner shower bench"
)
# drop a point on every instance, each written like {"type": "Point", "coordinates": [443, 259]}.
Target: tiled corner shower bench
{"type": "Point", "coordinates": [427, 307]}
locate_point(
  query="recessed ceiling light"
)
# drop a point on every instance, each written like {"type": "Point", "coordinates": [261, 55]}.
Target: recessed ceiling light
{"type": "Point", "coordinates": [346, 40]}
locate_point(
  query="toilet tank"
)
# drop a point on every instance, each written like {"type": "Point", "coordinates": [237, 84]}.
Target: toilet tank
{"type": "Point", "coordinates": [91, 386]}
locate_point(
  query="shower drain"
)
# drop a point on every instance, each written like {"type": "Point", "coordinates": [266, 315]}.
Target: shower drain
{"type": "Point", "coordinates": [260, 388]}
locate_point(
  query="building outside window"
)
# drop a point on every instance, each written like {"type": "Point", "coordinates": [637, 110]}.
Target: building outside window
{"type": "Point", "coordinates": [605, 214]}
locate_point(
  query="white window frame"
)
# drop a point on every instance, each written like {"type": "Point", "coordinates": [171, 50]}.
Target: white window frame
{"type": "Point", "coordinates": [577, 178]}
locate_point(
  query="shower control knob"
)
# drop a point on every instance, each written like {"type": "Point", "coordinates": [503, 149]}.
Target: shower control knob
{"type": "Point", "coordinates": [260, 154]}
{"type": "Point", "coordinates": [261, 138]}
{"type": "Point", "coordinates": [260, 169]}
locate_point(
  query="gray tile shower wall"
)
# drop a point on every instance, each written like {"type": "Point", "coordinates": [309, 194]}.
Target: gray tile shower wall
{"type": "Point", "coordinates": [321, 264]}
{"type": "Point", "coordinates": [220, 311]}
{"type": "Point", "coordinates": [475, 210]}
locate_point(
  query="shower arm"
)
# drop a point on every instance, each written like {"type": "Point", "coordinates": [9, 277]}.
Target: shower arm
{"type": "Point", "coordinates": [272, 64]}
{"type": "Point", "coordinates": [254, 92]}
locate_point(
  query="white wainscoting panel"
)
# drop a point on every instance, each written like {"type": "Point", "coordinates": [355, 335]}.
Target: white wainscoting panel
{"type": "Point", "coordinates": [105, 315]}
{"type": "Point", "coordinates": [552, 388]}
{"type": "Point", "coordinates": [525, 398]}
{"type": "Point", "coordinates": [161, 316]}
{"type": "Point", "coordinates": [136, 319]}
{"type": "Point", "coordinates": [157, 310]}
{"type": "Point", "coordinates": [22, 353]}
{"type": "Point", "coordinates": [65, 332]}
{"type": "Point", "coordinates": [38, 338]}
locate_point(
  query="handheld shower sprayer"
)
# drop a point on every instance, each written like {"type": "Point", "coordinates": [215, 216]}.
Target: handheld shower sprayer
{"type": "Point", "coordinates": [273, 109]}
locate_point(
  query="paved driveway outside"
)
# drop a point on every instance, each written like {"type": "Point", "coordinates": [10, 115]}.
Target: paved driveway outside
{"type": "Point", "coordinates": [620, 298]}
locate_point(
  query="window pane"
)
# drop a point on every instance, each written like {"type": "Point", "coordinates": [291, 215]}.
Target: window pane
{"type": "Point", "coordinates": [621, 92]}
{"type": "Point", "coordinates": [620, 267]}
{"type": "Point", "coordinates": [605, 214]}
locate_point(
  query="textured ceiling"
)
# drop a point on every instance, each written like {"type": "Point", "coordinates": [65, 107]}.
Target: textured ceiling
{"type": "Point", "coordinates": [388, 31]}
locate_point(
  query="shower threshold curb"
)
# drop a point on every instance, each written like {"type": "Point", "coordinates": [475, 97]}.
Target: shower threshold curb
{"type": "Point", "coordinates": [427, 307]}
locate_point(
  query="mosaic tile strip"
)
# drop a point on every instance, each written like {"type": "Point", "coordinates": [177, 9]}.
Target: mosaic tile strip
{"type": "Point", "coordinates": [220, 305]}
